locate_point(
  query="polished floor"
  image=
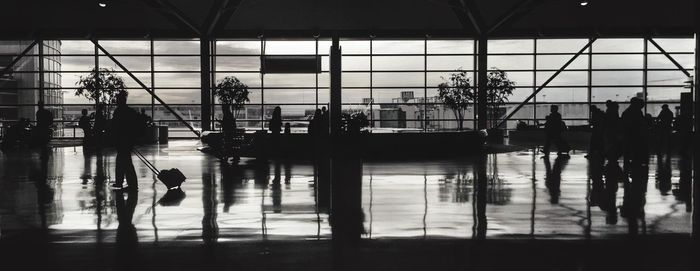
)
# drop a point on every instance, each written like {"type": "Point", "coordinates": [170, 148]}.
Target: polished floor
{"type": "Point", "coordinates": [68, 195]}
{"type": "Point", "coordinates": [64, 196]}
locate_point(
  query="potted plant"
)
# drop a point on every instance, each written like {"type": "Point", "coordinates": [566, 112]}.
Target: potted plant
{"type": "Point", "coordinates": [498, 88]}
{"type": "Point", "coordinates": [232, 92]}
{"type": "Point", "coordinates": [100, 86]}
{"type": "Point", "coordinates": [457, 94]}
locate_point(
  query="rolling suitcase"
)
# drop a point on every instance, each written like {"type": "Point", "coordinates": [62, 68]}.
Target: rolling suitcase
{"type": "Point", "coordinates": [171, 178]}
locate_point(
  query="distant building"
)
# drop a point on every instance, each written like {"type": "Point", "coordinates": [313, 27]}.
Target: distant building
{"type": "Point", "coordinates": [19, 90]}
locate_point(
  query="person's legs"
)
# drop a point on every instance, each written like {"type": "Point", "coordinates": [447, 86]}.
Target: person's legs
{"type": "Point", "coordinates": [547, 144]}
{"type": "Point", "coordinates": [119, 170]}
{"type": "Point", "coordinates": [130, 172]}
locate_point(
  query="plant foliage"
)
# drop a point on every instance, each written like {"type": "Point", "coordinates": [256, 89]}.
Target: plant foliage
{"type": "Point", "coordinates": [233, 92]}
{"type": "Point", "coordinates": [457, 93]}
{"type": "Point", "coordinates": [100, 86]}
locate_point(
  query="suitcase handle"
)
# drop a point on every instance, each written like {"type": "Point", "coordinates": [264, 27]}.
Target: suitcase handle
{"type": "Point", "coordinates": [145, 161]}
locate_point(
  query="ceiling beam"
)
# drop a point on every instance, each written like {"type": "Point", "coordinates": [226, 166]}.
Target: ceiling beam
{"type": "Point", "coordinates": [174, 15]}
{"type": "Point", "coordinates": [518, 11]}
{"type": "Point", "coordinates": [466, 10]}
{"type": "Point", "coordinates": [220, 13]}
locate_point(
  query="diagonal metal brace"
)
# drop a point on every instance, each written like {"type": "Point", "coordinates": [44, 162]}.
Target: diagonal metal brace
{"type": "Point", "coordinates": [540, 88]}
{"type": "Point", "coordinates": [147, 89]}
{"type": "Point", "coordinates": [673, 60]}
{"type": "Point", "coordinates": [20, 56]}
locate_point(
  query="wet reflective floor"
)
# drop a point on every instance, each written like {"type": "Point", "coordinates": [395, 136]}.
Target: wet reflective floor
{"type": "Point", "coordinates": [291, 212]}
{"type": "Point", "coordinates": [525, 196]}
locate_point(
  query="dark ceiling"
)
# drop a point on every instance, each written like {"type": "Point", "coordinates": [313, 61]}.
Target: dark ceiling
{"type": "Point", "coordinates": [351, 18]}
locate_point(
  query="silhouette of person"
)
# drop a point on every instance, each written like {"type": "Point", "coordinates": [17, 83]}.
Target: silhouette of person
{"type": "Point", "coordinates": [664, 125]}
{"type": "Point", "coordinates": [597, 122]}
{"type": "Point", "coordinates": [611, 129]}
{"type": "Point", "coordinates": [635, 134]}
{"type": "Point", "coordinates": [123, 120]}
{"type": "Point", "coordinates": [287, 128]}
{"type": "Point", "coordinates": [553, 176]}
{"type": "Point", "coordinates": [85, 125]}
{"type": "Point", "coordinates": [100, 123]}
{"type": "Point", "coordinates": [554, 126]}
{"type": "Point", "coordinates": [315, 127]}
{"type": "Point", "coordinates": [325, 121]}
{"type": "Point", "coordinates": [44, 121]}
{"type": "Point", "coordinates": [228, 125]}
{"type": "Point", "coordinates": [276, 121]}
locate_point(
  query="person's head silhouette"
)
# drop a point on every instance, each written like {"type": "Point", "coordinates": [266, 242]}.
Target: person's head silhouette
{"type": "Point", "coordinates": [637, 103]}
{"type": "Point", "coordinates": [554, 109]}
{"type": "Point", "coordinates": [84, 112]}
{"type": "Point", "coordinates": [121, 98]}
{"type": "Point", "coordinates": [664, 107]}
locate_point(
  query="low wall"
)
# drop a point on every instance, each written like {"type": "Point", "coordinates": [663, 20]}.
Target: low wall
{"type": "Point", "coordinates": [389, 145]}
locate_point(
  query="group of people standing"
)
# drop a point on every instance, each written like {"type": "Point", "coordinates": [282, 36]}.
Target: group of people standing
{"type": "Point", "coordinates": [628, 136]}
{"type": "Point", "coordinates": [614, 135]}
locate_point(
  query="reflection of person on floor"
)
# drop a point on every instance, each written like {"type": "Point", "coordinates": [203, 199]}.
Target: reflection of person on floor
{"type": "Point", "coordinates": [127, 238]}
{"type": "Point", "coordinates": [554, 126]}
{"type": "Point", "coordinates": [664, 125]}
{"type": "Point", "coordinates": [613, 176]}
{"type": "Point", "coordinates": [44, 121]}
{"type": "Point", "coordinates": [277, 188]}
{"type": "Point", "coordinates": [663, 173]}
{"type": "Point", "coordinates": [124, 131]}
{"type": "Point", "coordinates": [635, 135]}
{"type": "Point", "coordinates": [553, 176]}
{"type": "Point", "coordinates": [634, 197]}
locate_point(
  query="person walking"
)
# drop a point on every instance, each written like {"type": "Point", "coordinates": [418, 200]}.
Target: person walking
{"type": "Point", "coordinates": [125, 122]}
{"type": "Point", "coordinates": [635, 135]}
{"type": "Point", "coordinates": [44, 121]}
{"type": "Point", "coordinates": [554, 126]}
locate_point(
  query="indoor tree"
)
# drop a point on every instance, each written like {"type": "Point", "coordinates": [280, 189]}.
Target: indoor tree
{"type": "Point", "coordinates": [100, 86]}
{"type": "Point", "coordinates": [498, 88]}
{"type": "Point", "coordinates": [232, 92]}
{"type": "Point", "coordinates": [457, 94]}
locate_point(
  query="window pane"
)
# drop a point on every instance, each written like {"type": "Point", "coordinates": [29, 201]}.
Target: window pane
{"type": "Point", "coordinates": [450, 47]}
{"type": "Point", "coordinates": [238, 47]}
{"type": "Point", "coordinates": [398, 63]}
{"type": "Point", "coordinates": [398, 47]}
{"type": "Point", "coordinates": [510, 46]}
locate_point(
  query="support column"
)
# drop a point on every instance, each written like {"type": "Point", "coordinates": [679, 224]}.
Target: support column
{"type": "Point", "coordinates": [482, 71]}
{"type": "Point", "coordinates": [336, 96]}
{"type": "Point", "coordinates": [696, 143]}
{"type": "Point", "coordinates": [206, 82]}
